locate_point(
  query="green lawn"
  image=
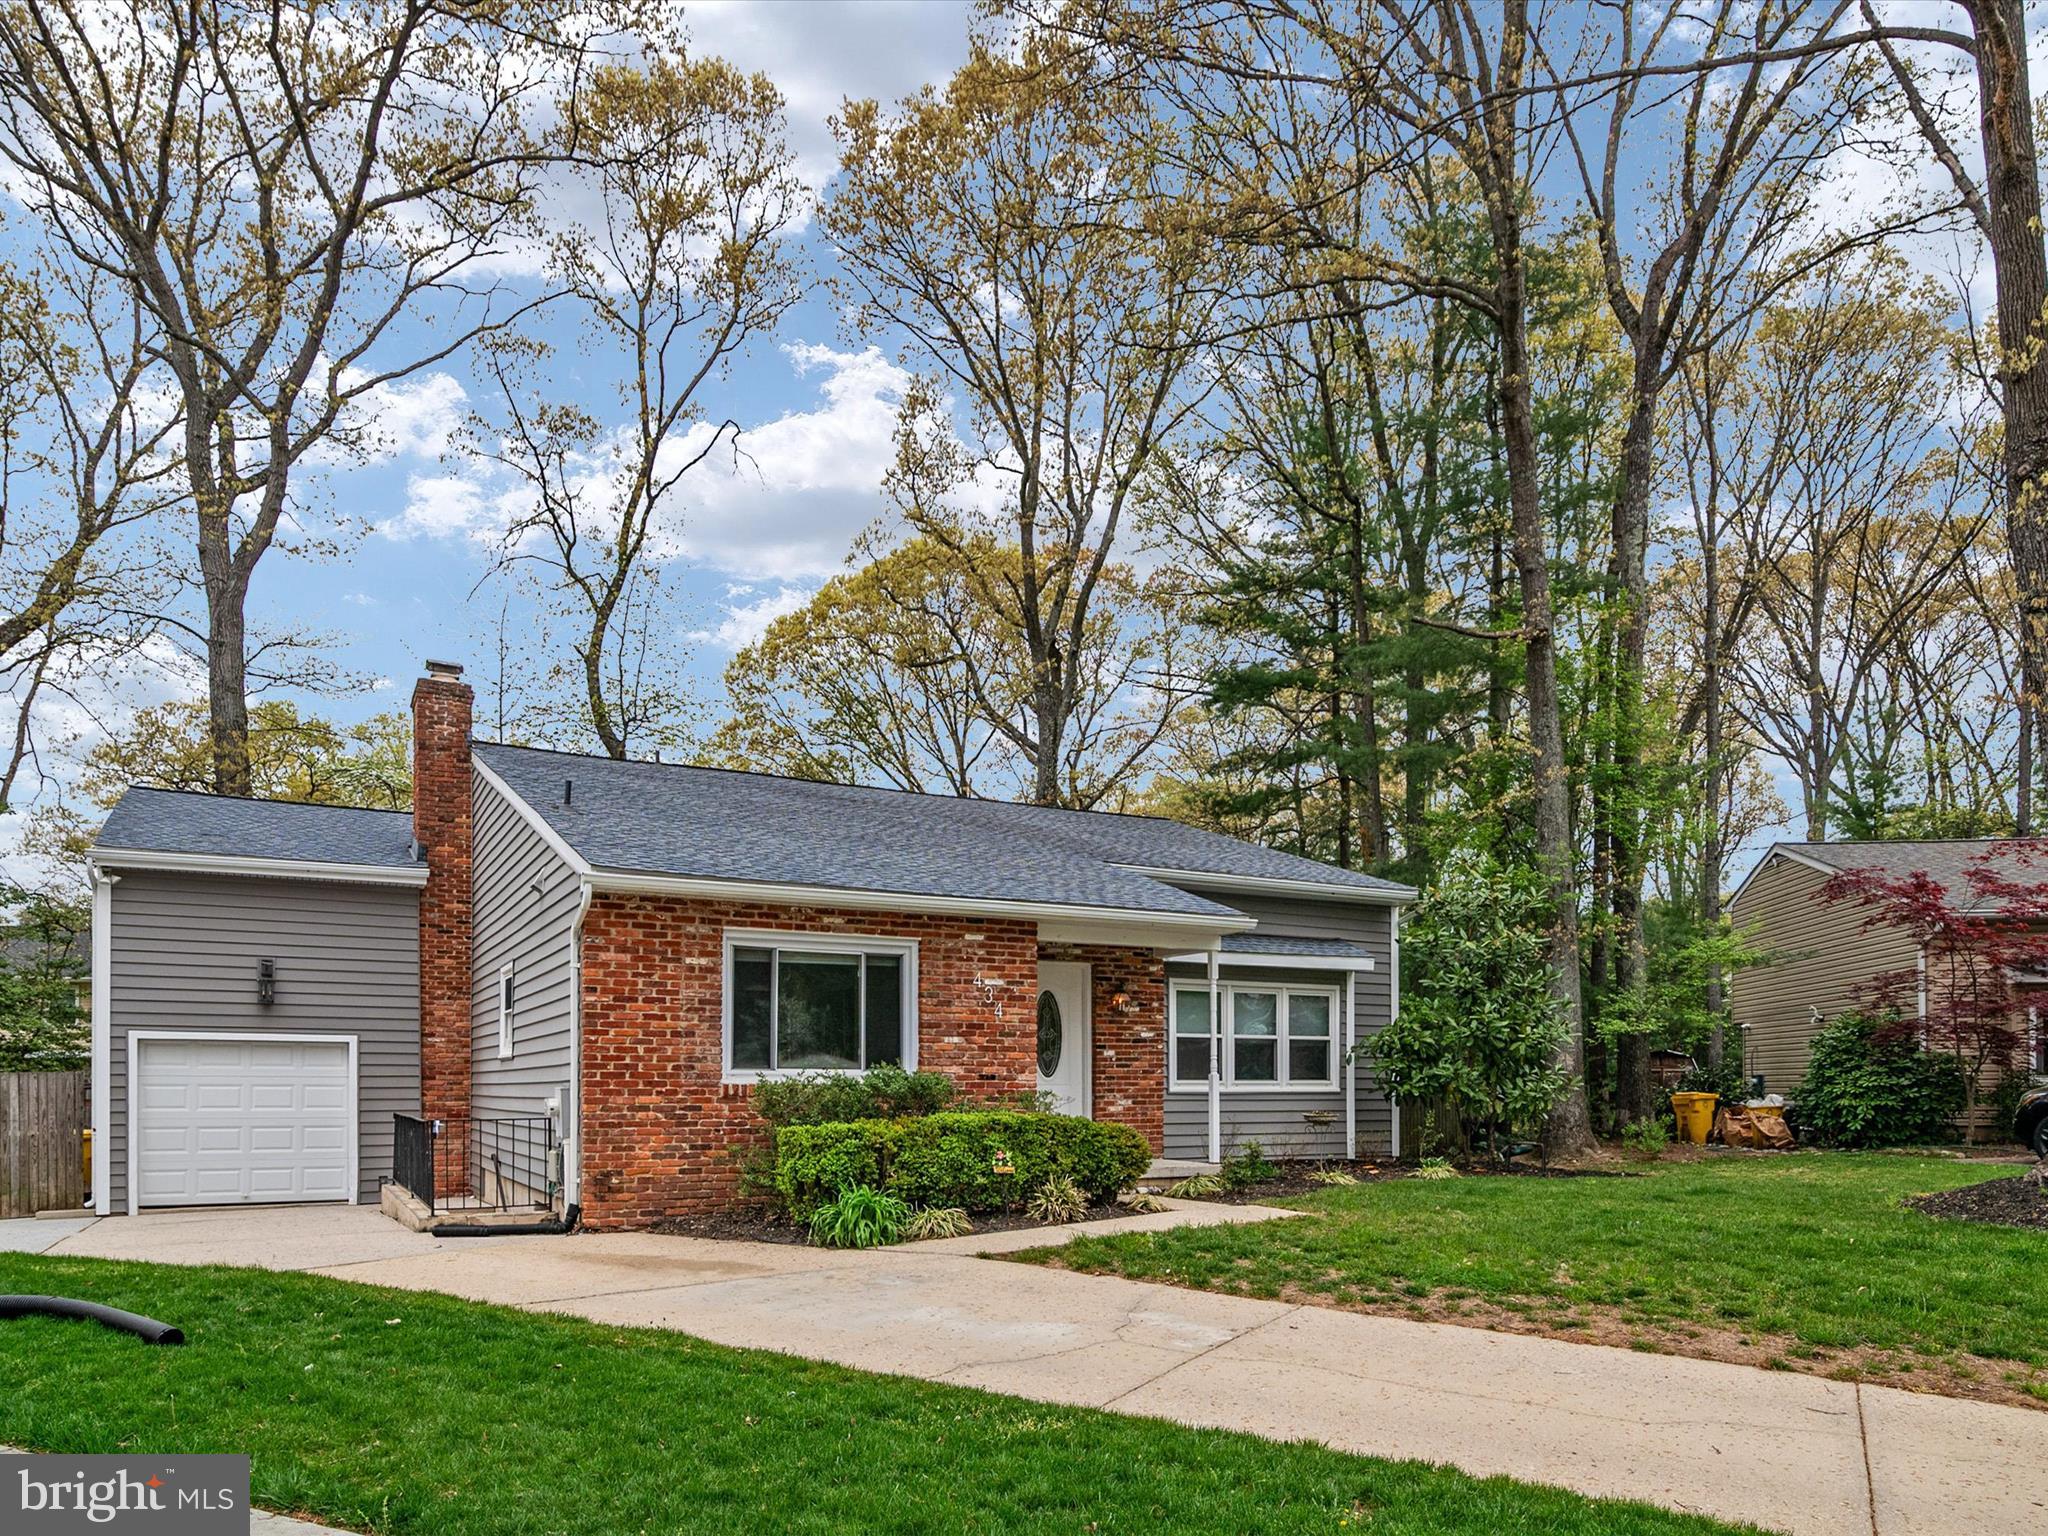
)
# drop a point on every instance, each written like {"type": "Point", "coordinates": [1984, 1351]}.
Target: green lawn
{"type": "Point", "coordinates": [398, 1411]}
{"type": "Point", "coordinates": [1807, 1255]}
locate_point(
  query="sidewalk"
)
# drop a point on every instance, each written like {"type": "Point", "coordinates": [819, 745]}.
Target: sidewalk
{"type": "Point", "coordinates": [1790, 1452]}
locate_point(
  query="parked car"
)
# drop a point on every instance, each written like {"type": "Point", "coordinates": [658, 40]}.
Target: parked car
{"type": "Point", "coordinates": [2030, 1120]}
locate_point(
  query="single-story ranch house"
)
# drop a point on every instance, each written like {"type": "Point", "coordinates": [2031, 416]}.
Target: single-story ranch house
{"type": "Point", "coordinates": [620, 951]}
{"type": "Point", "coordinates": [1822, 956]}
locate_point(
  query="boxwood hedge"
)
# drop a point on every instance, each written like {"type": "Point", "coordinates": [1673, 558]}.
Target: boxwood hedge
{"type": "Point", "coordinates": [978, 1160]}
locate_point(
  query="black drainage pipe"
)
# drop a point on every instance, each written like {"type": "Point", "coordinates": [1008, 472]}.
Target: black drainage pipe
{"type": "Point", "coordinates": [147, 1329]}
{"type": "Point", "coordinates": [551, 1227]}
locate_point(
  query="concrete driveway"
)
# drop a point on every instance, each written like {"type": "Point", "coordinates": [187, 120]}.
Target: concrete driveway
{"type": "Point", "coordinates": [1790, 1452]}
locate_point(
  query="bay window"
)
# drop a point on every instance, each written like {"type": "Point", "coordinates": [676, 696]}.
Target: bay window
{"type": "Point", "coordinates": [800, 1003]}
{"type": "Point", "coordinates": [1274, 1036]}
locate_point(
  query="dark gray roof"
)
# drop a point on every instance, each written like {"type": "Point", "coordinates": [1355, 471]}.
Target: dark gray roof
{"type": "Point", "coordinates": [176, 821]}
{"type": "Point", "coordinates": [1948, 861]}
{"type": "Point", "coordinates": [1282, 944]}
{"type": "Point", "coordinates": [713, 823]}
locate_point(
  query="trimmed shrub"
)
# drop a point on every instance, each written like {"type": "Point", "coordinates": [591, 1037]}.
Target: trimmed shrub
{"type": "Point", "coordinates": [823, 1098]}
{"type": "Point", "coordinates": [976, 1160]}
{"type": "Point", "coordinates": [1868, 1086]}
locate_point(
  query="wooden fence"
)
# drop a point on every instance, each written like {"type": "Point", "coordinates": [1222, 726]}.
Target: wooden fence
{"type": "Point", "coordinates": [42, 1121]}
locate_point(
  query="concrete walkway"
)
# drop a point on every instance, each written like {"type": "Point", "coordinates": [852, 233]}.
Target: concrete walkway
{"type": "Point", "coordinates": [1789, 1452]}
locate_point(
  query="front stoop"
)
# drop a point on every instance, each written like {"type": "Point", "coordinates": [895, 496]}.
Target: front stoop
{"type": "Point", "coordinates": [408, 1210]}
{"type": "Point", "coordinates": [1168, 1171]}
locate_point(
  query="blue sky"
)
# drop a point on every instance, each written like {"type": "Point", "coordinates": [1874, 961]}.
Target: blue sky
{"type": "Point", "coordinates": [815, 405]}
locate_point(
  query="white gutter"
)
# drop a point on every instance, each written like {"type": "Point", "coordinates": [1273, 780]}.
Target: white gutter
{"type": "Point", "coordinates": [572, 1149]}
{"type": "Point", "coordinates": [1398, 895]}
{"type": "Point", "coordinates": [1215, 1063]}
{"type": "Point", "coordinates": [102, 1029]}
{"type": "Point", "coordinates": [1393, 1013]}
{"type": "Point", "coordinates": [273, 869]}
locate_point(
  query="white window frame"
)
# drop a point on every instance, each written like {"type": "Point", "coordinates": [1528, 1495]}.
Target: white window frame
{"type": "Point", "coordinates": [1227, 1058]}
{"type": "Point", "coordinates": [506, 995]}
{"type": "Point", "coordinates": [817, 944]}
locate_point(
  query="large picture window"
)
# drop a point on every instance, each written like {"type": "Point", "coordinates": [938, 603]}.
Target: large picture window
{"type": "Point", "coordinates": [801, 1004]}
{"type": "Point", "coordinates": [1274, 1037]}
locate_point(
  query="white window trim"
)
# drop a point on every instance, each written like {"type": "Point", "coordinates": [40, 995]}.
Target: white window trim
{"type": "Point", "coordinates": [506, 998]}
{"type": "Point", "coordinates": [815, 943]}
{"type": "Point", "coordinates": [1227, 1058]}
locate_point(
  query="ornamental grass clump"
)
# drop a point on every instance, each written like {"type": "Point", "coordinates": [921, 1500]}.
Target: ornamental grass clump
{"type": "Point", "coordinates": [860, 1217]}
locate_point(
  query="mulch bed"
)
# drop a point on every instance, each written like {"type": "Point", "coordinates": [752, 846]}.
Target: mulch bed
{"type": "Point", "coordinates": [2001, 1202]}
{"type": "Point", "coordinates": [769, 1224]}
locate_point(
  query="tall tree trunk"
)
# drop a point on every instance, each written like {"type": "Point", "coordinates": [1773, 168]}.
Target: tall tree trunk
{"type": "Point", "coordinates": [1569, 1129]}
{"type": "Point", "coordinates": [2019, 258]}
{"type": "Point", "coordinates": [1630, 536]}
{"type": "Point", "coordinates": [1710, 854]}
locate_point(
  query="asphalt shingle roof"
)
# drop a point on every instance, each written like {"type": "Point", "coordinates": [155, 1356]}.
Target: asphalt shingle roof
{"type": "Point", "coordinates": [1948, 861]}
{"type": "Point", "coordinates": [174, 821]}
{"type": "Point", "coordinates": [711, 823]}
{"type": "Point", "coordinates": [1282, 944]}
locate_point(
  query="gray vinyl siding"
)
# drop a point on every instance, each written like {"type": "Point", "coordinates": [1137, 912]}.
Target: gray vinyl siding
{"type": "Point", "coordinates": [184, 951]}
{"type": "Point", "coordinates": [524, 899]}
{"type": "Point", "coordinates": [1277, 1120]}
{"type": "Point", "coordinates": [1820, 955]}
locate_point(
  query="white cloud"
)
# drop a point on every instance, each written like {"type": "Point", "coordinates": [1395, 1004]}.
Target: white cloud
{"type": "Point", "coordinates": [782, 504]}
{"type": "Point", "coordinates": [746, 622]}
{"type": "Point", "coordinates": [787, 503]}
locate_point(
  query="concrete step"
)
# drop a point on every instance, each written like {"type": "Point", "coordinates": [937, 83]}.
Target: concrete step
{"type": "Point", "coordinates": [1167, 1171]}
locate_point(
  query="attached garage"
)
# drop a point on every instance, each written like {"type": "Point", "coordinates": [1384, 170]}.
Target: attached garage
{"type": "Point", "coordinates": [227, 1120]}
{"type": "Point", "coordinates": [255, 1000]}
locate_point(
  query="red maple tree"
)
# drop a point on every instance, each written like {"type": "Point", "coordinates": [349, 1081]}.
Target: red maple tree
{"type": "Point", "coordinates": [1976, 948]}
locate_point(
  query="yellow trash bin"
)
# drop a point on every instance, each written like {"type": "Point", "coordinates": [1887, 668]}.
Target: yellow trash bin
{"type": "Point", "coordinates": [1695, 1112]}
{"type": "Point", "coordinates": [85, 1155]}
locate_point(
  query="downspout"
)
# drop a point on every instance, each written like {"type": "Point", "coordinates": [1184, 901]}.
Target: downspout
{"type": "Point", "coordinates": [1920, 968]}
{"type": "Point", "coordinates": [1215, 1062]}
{"type": "Point", "coordinates": [1350, 1066]}
{"type": "Point", "coordinates": [102, 1032]}
{"type": "Point", "coordinates": [572, 1150]}
{"type": "Point", "coordinates": [1393, 1013]}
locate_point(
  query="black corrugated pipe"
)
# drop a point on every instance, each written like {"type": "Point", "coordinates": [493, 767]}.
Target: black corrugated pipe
{"type": "Point", "coordinates": [147, 1329]}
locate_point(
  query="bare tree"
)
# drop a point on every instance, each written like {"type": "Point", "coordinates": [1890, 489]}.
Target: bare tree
{"type": "Point", "coordinates": [684, 264]}
{"type": "Point", "coordinates": [285, 190]}
{"type": "Point", "coordinates": [1019, 229]}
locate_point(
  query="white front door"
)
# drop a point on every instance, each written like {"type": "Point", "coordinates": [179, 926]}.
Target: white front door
{"type": "Point", "coordinates": [1063, 1034]}
{"type": "Point", "coordinates": [231, 1122]}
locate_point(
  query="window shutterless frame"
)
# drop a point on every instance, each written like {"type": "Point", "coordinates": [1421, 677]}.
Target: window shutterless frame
{"type": "Point", "coordinates": [505, 985]}
{"type": "Point", "coordinates": [1283, 1037]}
{"type": "Point", "coordinates": [774, 941]}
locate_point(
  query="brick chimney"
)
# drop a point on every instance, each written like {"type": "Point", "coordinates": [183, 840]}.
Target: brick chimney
{"type": "Point", "coordinates": [441, 709]}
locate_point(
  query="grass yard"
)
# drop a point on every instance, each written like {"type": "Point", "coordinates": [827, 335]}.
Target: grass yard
{"type": "Point", "coordinates": [1804, 1262]}
{"type": "Point", "coordinates": [395, 1411]}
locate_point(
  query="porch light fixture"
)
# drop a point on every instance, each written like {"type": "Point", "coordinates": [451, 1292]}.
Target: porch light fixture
{"type": "Point", "coordinates": [266, 982]}
{"type": "Point", "coordinates": [1121, 1002]}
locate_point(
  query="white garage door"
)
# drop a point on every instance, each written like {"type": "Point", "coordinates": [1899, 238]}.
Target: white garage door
{"type": "Point", "coordinates": [227, 1122]}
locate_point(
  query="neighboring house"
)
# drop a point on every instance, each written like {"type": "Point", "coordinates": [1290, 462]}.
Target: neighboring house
{"type": "Point", "coordinates": [626, 948]}
{"type": "Point", "coordinates": [1823, 958]}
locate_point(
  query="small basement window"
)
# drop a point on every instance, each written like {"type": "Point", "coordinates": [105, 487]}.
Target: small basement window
{"type": "Point", "coordinates": [804, 1004]}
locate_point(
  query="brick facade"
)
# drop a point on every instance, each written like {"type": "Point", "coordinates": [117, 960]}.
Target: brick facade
{"type": "Point", "coordinates": [663, 1134]}
{"type": "Point", "coordinates": [1127, 1016]}
{"type": "Point", "coordinates": [441, 706]}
